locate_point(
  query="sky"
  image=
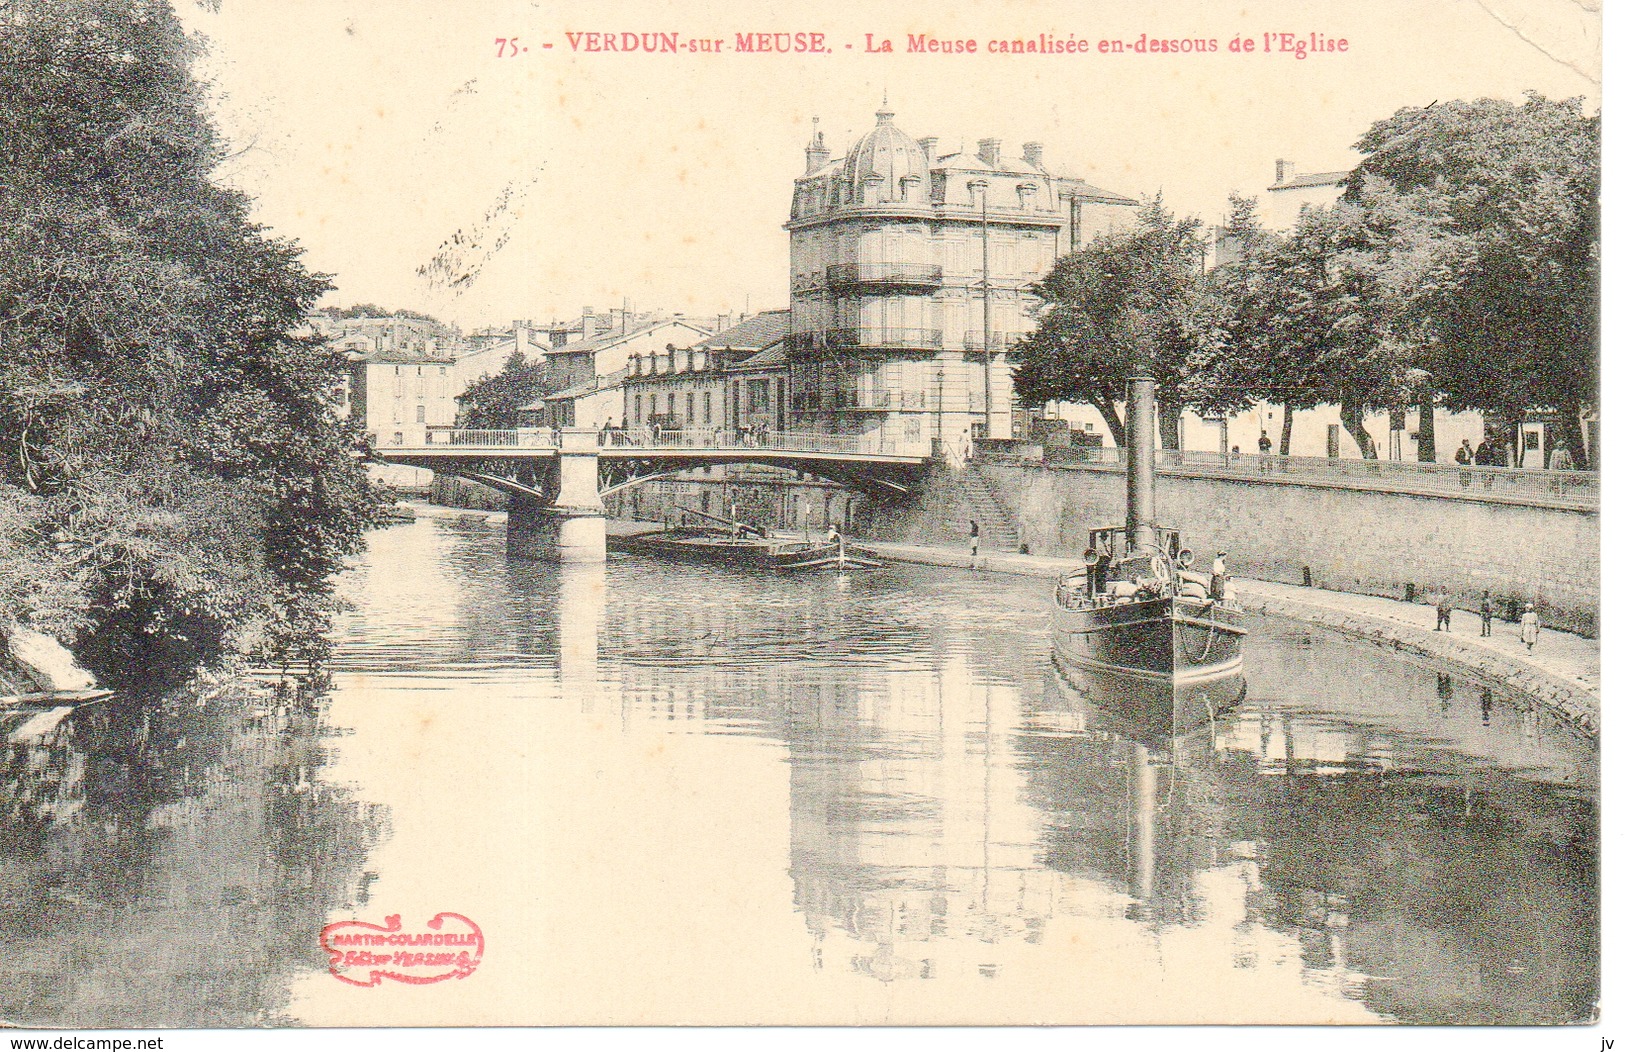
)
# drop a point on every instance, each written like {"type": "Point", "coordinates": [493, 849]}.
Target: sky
{"type": "Point", "coordinates": [424, 171]}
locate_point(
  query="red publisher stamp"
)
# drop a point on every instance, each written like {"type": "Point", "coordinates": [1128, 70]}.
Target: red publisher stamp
{"type": "Point", "coordinates": [362, 954]}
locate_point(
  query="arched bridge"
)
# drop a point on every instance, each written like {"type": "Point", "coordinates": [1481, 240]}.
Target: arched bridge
{"type": "Point", "coordinates": [557, 478]}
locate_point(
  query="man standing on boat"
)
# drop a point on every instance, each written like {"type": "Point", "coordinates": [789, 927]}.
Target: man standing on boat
{"type": "Point", "coordinates": [1216, 584]}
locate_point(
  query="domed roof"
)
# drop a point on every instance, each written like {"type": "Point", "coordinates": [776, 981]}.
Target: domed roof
{"type": "Point", "coordinates": [887, 152]}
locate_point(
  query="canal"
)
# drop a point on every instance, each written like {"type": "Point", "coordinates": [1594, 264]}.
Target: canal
{"type": "Point", "coordinates": [678, 794]}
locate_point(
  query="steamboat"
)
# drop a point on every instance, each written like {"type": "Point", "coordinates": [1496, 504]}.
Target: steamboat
{"type": "Point", "coordinates": [1135, 609]}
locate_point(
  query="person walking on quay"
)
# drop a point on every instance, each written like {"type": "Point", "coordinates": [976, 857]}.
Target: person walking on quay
{"type": "Point", "coordinates": [1483, 455]}
{"type": "Point", "coordinates": [1485, 609]}
{"type": "Point", "coordinates": [1529, 626]}
{"type": "Point", "coordinates": [975, 538]}
{"type": "Point", "coordinates": [1443, 607]}
{"type": "Point", "coordinates": [1265, 447]}
{"type": "Point", "coordinates": [1464, 457]}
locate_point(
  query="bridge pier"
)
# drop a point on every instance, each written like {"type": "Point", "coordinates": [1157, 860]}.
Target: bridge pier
{"type": "Point", "coordinates": [571, 529]}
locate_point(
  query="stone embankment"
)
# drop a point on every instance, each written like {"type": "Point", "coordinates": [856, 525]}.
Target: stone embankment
{"type": "Point", "coordinates": [1562, 672]}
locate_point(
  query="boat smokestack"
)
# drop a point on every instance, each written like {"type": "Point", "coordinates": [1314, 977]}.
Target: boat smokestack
{"type": "Point", "coordinates": [1142, 465]}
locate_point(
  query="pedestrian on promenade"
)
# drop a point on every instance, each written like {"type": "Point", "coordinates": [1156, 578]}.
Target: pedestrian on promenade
{"type": "Point", "coordinates": [1265, 447]}
{"type": "Point", "coordinates": [1217, 582]}
{"type": "Point", "coordinates": [1483, 454]}
{"type": "Point", "coordinates": [1485, 609]}
{"type": "Point", "coordinates": [975, 538]}
{"type": "Point", "coordinates": [1562, 459]}
{"type": "Point", "coordinates": [1529, 626]}
{"type": "Point", "coordinates": [1443, 607]}
{"type": "Point", "coordinates": [1464, 457]}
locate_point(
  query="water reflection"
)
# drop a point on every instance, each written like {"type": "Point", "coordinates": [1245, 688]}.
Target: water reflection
{"type": "Point", "coordinates": [729, 797]}
{"type": "Point", "coordinates": [163, 858]}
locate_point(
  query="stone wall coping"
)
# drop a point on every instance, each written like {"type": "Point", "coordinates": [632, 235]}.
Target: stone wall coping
{"type": "Point", "coordinates": [1467, 496]}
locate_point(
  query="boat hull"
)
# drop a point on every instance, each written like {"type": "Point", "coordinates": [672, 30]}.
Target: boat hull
{"type": "Point", "coordinates": [787, 556]}
{"type": "Point", "coordinates": [1172, 640]}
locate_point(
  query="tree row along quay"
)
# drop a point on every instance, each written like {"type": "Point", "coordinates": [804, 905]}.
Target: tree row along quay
{"type": "Point", "coordinates": [626, 42]}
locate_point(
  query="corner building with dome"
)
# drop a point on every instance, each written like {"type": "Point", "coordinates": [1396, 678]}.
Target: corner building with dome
{"type": "Point", "coordinates": [888, 338]}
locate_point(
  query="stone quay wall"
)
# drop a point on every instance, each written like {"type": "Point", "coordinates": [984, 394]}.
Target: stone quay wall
{"type": "Point", "coordinates": [1397, 545]}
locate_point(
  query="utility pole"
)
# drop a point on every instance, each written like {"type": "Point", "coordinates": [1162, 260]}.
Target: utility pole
{"type": "Point", "coordinates": [987, 324]}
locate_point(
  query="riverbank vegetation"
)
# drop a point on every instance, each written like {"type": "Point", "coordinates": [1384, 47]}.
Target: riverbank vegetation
{"type": "Point", "coordinates": [174, 470]}
{"type": "Point", "coordinates": [1460, 266]}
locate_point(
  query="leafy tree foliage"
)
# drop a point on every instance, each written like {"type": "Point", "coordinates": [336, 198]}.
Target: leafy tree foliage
{"type": "Point", "coordinates": [1129, 301]}
{"type": "Point", "coordinates": [171, 462]}
{"type": "Point", "coordinates": [495, 401]}
{"type": "Point", "coordinates": [1498, 279]}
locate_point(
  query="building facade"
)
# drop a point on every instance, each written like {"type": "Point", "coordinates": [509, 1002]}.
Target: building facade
{"type": "Point", "coordinates": [909, 273]}
{"type": "Point", "coordinates": [731, 380]}
{"type": "Point", "coordinates": [401, 379]}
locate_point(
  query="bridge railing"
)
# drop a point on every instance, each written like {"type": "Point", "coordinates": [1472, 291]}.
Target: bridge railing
{"type": "Point", "coordinates": [711, 438]}
{"type": "Point", "coordinates": [1572, 487]}
{"type": "Point", "coordinates": [524, 437]}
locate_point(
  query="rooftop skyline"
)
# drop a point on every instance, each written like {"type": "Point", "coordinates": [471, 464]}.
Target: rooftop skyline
{"type": "Point", "coordinates": [426, 173]}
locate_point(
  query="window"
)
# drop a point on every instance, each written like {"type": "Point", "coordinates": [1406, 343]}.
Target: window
{"type": "Point", "coordinates": [707, 401]}
{"type": "Point", "coordinates": [688, 411]}
{"type": "Point", "coordinates": [420, 418]}
{"type": "Point", "coordinates": [671, 405]}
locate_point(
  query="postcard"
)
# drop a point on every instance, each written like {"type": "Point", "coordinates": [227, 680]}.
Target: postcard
{"type": "Point", "coordinates": [669, 514]}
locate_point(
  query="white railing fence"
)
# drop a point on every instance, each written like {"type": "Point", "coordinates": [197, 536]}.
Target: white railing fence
{"type": "Point", "coordinates": [714, 438]}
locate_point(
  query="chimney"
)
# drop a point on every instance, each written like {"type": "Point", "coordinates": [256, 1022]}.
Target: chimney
{"type": "Point", "coordinates": [1033, 154]}
{"type": "Point", "coordinates": [929, 145]}
{"type": "Point", "coordinates": [988, 151]}
{"type": "Point", "coordinates": [589, 323]}
{"type": "Point", "coordinates": [521, 334]}
{"type": "Point", "coordinates": [817, 152]}
{"type": "Point", "coordinates": [1284, 170]}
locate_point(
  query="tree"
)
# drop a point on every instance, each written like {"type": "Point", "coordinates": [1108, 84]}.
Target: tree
{"type": "Point", "coordinates": [495, 401]}
{"type": "Point", "coordinates": [1130, 301]}
{"type": "Point", "coordinates": [1502, 295]}
{"type": "Point", "coordinates": [172, 465]}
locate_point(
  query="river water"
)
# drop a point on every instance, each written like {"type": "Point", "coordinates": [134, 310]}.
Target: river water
{"type": "Point", "coordinates": [680, 794]}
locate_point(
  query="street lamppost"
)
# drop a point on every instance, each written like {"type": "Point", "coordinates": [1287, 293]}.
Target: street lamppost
{"type": "Point", "coordinates": [938, 450]}
{"type": "Point", "coordinates": [987, 319]}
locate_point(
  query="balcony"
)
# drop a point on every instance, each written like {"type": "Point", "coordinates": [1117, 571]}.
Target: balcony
{"type": "Point", "coordinates": [1001, 341]}
{"type": "Point", "coordinates": [885, 337]}
{"type": "Point", "coordinates": [883, 275]}
{"type": "Point", "coordinates": [866, 338]}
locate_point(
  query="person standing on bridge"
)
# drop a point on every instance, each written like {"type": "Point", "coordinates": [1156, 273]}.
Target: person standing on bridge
{"type": "Point", "coordinates": [1443, 607]}
{"type": "Point", "coordinates": [1485, 610]}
